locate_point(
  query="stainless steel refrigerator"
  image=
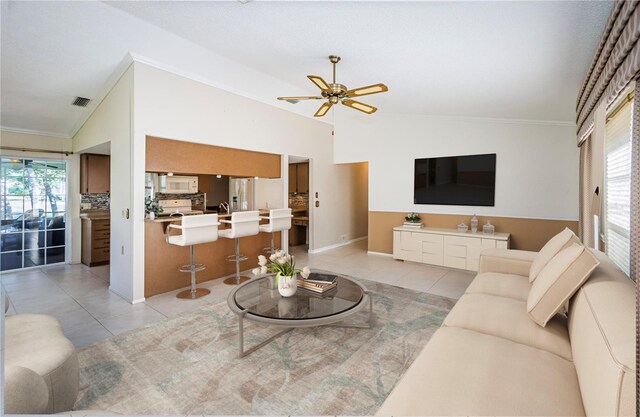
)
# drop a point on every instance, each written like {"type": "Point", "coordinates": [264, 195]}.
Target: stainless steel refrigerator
{"type": "Point", "coordinates": [241, 194]}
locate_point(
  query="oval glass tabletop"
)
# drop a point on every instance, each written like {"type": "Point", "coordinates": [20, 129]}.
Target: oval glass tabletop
{"type": "Point", "coordinates": [260, 297]}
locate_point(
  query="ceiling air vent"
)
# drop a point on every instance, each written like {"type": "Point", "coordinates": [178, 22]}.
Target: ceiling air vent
{"type": "Point", "coordinates": [81, 101]}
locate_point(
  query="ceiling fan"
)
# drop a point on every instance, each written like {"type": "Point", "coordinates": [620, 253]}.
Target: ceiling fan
{"type": "Point", "coordinates": [336, 93]}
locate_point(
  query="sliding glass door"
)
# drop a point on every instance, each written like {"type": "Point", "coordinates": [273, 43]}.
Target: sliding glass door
{"type": "Point", "coordinates": [33, 195]}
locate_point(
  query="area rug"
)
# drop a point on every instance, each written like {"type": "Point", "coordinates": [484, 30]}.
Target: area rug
{"type": "Point", "coordinates": [189, 364]}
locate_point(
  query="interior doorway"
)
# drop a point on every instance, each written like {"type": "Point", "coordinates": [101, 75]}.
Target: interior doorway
{"type": "Point", "coordinates": [299, 189]}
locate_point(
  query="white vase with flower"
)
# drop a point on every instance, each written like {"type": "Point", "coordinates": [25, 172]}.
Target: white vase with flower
{"type": "Point", "coordinates": [284, 265]}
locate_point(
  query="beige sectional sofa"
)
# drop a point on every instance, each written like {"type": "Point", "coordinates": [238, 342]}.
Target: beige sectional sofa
{"type": "Point", "coordinates": [491, 358]}
{"type": "Point", "coordinates": [41, 366]}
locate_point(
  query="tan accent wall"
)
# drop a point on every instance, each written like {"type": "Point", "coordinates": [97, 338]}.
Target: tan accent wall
{"type": "Point", "coordinates": [526, 234]}
{"type": "Point", "coordinates": [167, 155]}
{"type": "Point", "coordinates": [359, 197]}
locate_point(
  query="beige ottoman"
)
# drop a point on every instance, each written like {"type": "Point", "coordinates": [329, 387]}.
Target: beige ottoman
{"type": "Point", "coordinates": [37, 343]}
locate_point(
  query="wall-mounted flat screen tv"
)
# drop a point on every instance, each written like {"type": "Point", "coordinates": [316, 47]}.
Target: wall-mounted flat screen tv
{"type": "Point", "coordinates": [468, 180]}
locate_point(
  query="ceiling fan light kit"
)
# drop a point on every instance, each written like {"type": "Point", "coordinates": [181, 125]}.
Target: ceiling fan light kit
{"type": "Point", "coordinates": [336, 93]}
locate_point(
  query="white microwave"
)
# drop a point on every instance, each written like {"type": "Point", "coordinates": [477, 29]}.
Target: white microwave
{"type": "Point", "coordinates": [178, 184]}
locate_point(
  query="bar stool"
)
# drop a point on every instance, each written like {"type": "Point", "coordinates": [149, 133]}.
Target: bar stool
{"type": "Point", "coordinates": [243, 223]}
{"type": "Point", "coordinates": [195, 229]}
{"type": "Point", "coordinates": [279, 221]}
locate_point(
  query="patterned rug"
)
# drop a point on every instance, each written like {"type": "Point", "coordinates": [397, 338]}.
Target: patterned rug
{"type": "Point", "coordinates": [189, 365]}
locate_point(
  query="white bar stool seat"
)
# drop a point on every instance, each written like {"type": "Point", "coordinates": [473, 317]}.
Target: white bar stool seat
{"type": "Point", "coordinates": [279, 221]}
{"type": "Point", "coordinates": [243, 223]}
{"type": "Point", "coordinates": [196, 230]}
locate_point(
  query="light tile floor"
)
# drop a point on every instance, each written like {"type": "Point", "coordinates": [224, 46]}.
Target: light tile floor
{"type": "Point", "coordinates": [79, 296]}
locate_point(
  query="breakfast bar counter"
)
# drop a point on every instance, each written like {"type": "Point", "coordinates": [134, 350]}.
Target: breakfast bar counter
{"type": "Point", "coordinates": [162, 260]}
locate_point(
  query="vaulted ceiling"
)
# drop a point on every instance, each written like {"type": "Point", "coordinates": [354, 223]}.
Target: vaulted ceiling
{"type": "Point", "coordinates": [508, 60]}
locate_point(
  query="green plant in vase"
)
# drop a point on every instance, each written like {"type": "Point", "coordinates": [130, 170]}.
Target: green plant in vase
{"type": "Point", "coordinates": [284, 265]}
{"type": "Point", "coordinates": [152, 206]}
{"type": "Point", "coordinates": [281, 263]}
{"type": "Point", "coordinates": [412, 218]}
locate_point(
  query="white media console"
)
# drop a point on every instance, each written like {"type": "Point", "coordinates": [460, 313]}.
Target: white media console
{"type": "Point", "coordinates": [444, 247]}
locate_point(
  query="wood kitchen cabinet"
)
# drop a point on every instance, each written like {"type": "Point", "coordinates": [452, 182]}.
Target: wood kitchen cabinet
{"type": "Point", "coordinates": [299, 178]}
{"type": "Point", "coordinates": [96, 241]}
{"type": "Point", "coordinates": [95, 173]}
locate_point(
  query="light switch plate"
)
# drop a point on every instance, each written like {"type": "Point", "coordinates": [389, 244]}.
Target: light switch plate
{"type": "Point", "coordinates": [85, 206]}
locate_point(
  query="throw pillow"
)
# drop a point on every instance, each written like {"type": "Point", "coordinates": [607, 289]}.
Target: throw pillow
{"type": "Point", "coordinates": [558, 281]}
{"type": "Point", "coordinates": [560, 241]}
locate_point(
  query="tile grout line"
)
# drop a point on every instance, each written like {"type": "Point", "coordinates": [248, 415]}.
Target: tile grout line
{"type": "Point", "coordinates": [76, 301]}
{"type": "Point", "coordinates": [154, 309]}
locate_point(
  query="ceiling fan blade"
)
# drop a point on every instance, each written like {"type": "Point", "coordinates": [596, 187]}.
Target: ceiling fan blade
{"type": "Point", "coordinates": [323, 109]}
{"type": "Point", "coordinates": [365, 91]}
{"type": "Point", "coordinates": [317, 80]}
{"type": "Point", "coordinates": [294, 100]}
{"type": "Point", "coordinates": [365, 108]}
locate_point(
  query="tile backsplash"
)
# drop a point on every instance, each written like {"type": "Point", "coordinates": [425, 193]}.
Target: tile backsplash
{"type": "Point", "coordinates": [299, 200]}
{"type": "Point", "coordinates": [197, 199]}
{"type": "Point", "coordinates": [97, 201]}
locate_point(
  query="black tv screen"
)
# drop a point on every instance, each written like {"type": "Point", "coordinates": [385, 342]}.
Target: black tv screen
{"type": "Point", "coordinates": [468, 180]}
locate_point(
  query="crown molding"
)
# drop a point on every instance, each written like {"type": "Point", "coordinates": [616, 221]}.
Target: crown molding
{"type": "Point", "coordinates": [117, 73]}
{"type": "Point", "coordinates": [34, 132]}
{"type": "Point", "coordinates": [487, 119]}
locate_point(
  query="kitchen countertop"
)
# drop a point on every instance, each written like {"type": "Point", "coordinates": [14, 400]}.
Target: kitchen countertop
{"type": "Point", "coordinates": [166, 219]}
{"type": "Point", "coordinates": [96, 215]}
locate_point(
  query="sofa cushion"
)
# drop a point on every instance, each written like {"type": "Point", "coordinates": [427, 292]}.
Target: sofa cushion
{"type": "Point", "coordinates": [560, 241]}
{"type": "Point", "coordinates": [508, 318]}
{"type": "Point", "coordinates": [506, 261]}
{"type": "Point", "coordinates": [603, 340]}
{"type": "Point", "coordinates": [37, 342]}
{"type": "Point", "coordinates": [503, 285]}
{"type": "Point", "coordinates": [558, 281]}
{"type": "Point", "coordinates": [462, 372]}
{"type": "Point", "coordinates": [25, 391]}
{"type": "Point", "coordinates": [32, 324]}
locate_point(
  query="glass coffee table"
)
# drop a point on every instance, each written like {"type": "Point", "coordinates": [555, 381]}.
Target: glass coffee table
{"type": "Point", "coordinates": [259, 300]}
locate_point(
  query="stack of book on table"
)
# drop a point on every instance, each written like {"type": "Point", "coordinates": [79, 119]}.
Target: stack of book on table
{"type": "Point", "coordinates": [319, 283]}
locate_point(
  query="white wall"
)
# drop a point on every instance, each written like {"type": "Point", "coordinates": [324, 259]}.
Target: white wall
{"type": "Point", "coordinates": [269, 193]}
{"type": "Point", "coordinates": [536, 169]}
{"type": "Point", "coordinates": [111, 122]}
{"type": "Point", "coordinates": [174, 107]}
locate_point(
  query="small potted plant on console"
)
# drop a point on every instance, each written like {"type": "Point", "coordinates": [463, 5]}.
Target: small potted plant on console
{"type": "Point", "coordinates": [413, 220]}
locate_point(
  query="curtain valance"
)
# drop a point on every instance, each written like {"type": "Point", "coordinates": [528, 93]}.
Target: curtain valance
{"type": "Point", "coordinates": [615, 65]}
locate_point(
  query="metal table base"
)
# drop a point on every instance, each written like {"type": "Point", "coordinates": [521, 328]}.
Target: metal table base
{"type": "Point", "coordinates": [328, 321]}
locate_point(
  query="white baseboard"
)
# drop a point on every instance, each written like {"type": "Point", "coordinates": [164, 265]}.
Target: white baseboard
{"type": "Point", "coordinates": [337, 245]}
{"type": "Point", "coordinates": [390, 255]}
{"type": "Point", "coordinates": [139, 300]}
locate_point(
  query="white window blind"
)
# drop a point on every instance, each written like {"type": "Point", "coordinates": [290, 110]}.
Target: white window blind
{"type": "Point", "coordinates": [617, 202]}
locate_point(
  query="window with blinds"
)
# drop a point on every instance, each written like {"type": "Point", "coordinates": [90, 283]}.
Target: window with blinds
{"type": "Point", "coordinates": [617, 204]}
